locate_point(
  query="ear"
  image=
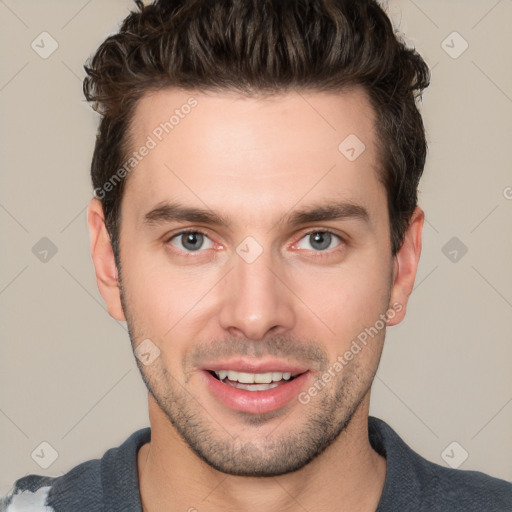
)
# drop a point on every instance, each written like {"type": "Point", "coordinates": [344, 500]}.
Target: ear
{"type": "Point", "coordinates": [405, 266]}
{"type": "Point", "coordinates": [104, 261]}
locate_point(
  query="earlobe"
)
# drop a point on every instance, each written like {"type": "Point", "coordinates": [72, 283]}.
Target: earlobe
{"type": "Point", "coordinates": [104, 261]}
{"type": "Point", "coordinates": [406, 265]}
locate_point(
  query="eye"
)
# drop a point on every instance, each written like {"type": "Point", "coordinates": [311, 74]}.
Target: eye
{"type": "Point", "coordinates": [190, 241]}
{"type": "Point", "coordinates": [319, 240]}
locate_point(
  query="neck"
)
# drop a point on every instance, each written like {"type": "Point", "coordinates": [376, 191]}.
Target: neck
{"type": "Point", "coordinates": [348, 475]}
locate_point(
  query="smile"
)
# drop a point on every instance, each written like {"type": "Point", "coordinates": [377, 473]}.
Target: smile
{"type": "Point", "coordinates": [255, 393]}
{"type": "Point", "coordinates": [253, 381]}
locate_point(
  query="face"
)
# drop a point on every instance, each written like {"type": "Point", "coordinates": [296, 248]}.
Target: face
{"type": "Point", "coordinates": [251, 244]}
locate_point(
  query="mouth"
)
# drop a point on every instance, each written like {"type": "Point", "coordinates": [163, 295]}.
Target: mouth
{"type": "Point", "coordinates": [253, 381]}
{"type": "Point", "coordinates": [256, 393]}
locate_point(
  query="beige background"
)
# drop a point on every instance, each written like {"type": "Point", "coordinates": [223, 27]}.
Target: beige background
{"type": "Point", "coordinates": [68, 376]}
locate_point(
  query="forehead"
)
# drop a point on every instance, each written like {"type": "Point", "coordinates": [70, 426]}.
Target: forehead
{"type": "Point", "coordinates": [229, 151]}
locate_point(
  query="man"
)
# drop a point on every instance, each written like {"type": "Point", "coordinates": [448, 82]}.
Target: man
{"type": "Point", "coordinates": [255, 222]}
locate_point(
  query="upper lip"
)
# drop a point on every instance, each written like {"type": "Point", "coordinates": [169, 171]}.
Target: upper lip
{"type": "Point", "coordinates": [244, 365]}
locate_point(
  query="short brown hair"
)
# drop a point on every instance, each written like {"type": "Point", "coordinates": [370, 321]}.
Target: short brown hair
{"type": "Point", "coordinates": [262, 46]}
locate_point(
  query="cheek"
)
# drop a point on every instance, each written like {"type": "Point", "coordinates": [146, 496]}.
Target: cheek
{"type": "Point", "coordinates": [163, 299]}
{"type": "Point", "coordinates": [353, 295]}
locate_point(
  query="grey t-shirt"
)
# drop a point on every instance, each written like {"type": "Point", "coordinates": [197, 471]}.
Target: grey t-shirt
{"type": "Point", "coordinates": [412, 483]}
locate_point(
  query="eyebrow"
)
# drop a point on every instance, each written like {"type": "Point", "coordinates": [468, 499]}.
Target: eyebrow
{"type": "Point", "coordinates": [171, 212]}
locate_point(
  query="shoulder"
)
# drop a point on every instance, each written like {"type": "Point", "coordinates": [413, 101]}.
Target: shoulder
{"type": "Point", "coordinates": [37, 493]}
{"type": "Point", "coordinates": [414, 483]}
{"type": "Point", "coordinates": [28, 493]}
{"type": "Point", "coordinates": [456, 489]}
{"type": "Point", "coordinates": [468, 490]}
{"type": "Point", "coordinates": [86, 487]}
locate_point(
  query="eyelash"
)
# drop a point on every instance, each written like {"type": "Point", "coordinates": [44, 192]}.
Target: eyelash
{"type": "Point", "coordinates": [320, 254]}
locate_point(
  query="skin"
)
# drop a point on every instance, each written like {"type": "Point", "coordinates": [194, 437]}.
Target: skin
{"type": "Point", "coordinates": [256, 160]}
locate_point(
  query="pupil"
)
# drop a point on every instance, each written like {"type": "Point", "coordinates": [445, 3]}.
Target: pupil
{"type": "Point", "coordinates": [321, 238]}
{"type": "Point", "coordinates": [194, 239]}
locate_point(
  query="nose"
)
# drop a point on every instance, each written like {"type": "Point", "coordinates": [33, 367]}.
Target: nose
{"type": "Point", "coordinates": [256, 300]}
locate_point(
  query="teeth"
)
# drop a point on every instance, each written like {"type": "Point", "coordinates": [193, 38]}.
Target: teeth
{"type": "Point", "coordinates": [253, 387]}
{"type": "Point", "coordinates": [253, 378]}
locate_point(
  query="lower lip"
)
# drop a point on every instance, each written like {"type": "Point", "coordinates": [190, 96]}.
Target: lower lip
{"type": "Point", "coordinates": [256, 402]}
